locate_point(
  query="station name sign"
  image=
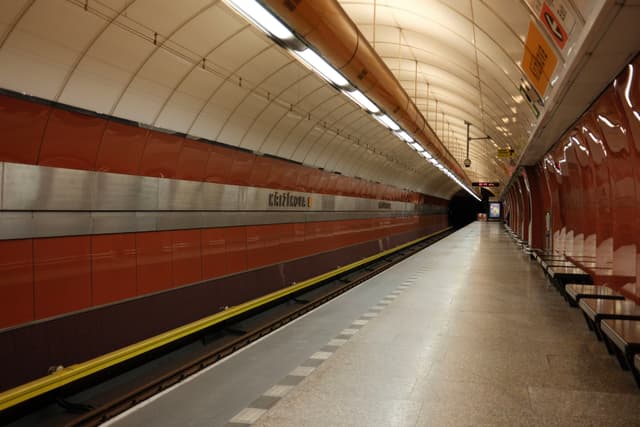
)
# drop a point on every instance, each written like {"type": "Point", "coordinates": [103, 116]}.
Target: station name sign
{"type": "Point", "coordinates": [288, 200]}
{"type": "Point", "coordinates": [485, 184]}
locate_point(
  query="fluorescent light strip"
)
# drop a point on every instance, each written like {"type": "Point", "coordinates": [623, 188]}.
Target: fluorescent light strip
{"type": "Point", "coordinates": [322, 67]}
{"type": "Point", "coordinates": [360, 99]}
{"type": "Point", "coordinates": [386, 121]}
{"type": "Point", "coordinates": [268, 23]}
{"type": "Point", "coordinates": [405, 137]}
{"type": "Point", "coordinates": [262, 18]}
{"type": "Point", "coordinates": [417, 147]}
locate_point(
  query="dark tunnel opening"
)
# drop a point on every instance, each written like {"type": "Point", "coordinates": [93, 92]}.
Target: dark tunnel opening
{"type": "Point", "coordinates": [464, 208]}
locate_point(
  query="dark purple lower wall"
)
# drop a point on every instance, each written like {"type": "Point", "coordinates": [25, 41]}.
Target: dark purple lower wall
{"type": "Point", "coordinates": [29, 350]}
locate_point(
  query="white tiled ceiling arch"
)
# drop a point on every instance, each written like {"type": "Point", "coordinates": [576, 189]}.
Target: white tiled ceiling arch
{"type": "Point", "coordinates": [196, 67]}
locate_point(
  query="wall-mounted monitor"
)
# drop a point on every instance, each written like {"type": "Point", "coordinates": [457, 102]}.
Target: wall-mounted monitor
{"type": "Point", "coordinates": [495, 210]}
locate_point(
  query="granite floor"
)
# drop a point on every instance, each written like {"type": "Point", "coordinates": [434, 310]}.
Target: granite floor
{"type": "Point", "coordinates": [477, 337]}
{"type": "Point", "coordinates": [465, 333]}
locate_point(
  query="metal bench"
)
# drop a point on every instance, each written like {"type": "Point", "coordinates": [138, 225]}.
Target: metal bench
{"type": "Point", "coordinates": [574, 292]}
{"type": "Point", "coordinates": [595, 310]}
{"type": "Point", "coordinates": [622, 338]}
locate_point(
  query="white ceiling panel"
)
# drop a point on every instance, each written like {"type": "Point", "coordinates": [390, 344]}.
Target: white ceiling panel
{"type": "Point", "coordinates": [277, 135]}
{"type": "Point", "coordinates": [196, 67]}
{"type": "Point", "coordinates": [256, 130]}
{"type": "Point", "coordinates": [162, 16]}
{"type": "Point", "coordinates": [228, 56]}
{"type": "Point", "coordinates": [286, 147]}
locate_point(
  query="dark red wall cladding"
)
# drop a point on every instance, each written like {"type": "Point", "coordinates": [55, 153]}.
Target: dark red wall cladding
{"type": "Point", "coordinates": [63, 265]}
{"type": "Point", "coordinates": [589, 182]}
{"type": "Point", "coordinates": [51, 276]}
{"type": "Point", "coordinates": [39, 133]}
{"type": "Point", "coordinates": [47, 277]}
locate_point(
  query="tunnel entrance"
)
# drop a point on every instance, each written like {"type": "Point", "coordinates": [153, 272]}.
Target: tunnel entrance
{"type": "Point", "coordinates": [464, 209]}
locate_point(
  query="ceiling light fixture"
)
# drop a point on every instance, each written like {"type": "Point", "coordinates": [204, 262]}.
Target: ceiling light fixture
{"type": "Point", "coordinates": [262, 18]}
{"type": "Point", "coordinates": [386, 121]}
{"type": "Point", "coordinates": [360, 99]}
{"type": "Point", "coordinates": [322, 67]}
{"type": "Point", "coordinates": [417, 147]}
{"type": "Point", "coordinates": [426, 155]}
{"type": "Point", "coordinates": [405, 137]}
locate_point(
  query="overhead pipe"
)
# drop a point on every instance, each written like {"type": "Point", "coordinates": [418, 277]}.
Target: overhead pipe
{"type": "Point", "coordinates": [327, 27]}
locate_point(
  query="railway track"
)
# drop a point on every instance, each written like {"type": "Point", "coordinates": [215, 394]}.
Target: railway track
{"type": "Point", "coordinates": [101, 397]}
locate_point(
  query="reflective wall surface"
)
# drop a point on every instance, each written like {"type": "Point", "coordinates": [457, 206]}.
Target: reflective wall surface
{"type": "Point", "coordinates": [588, 186]}
{"type": "Point", "coordinates": [95, 210]}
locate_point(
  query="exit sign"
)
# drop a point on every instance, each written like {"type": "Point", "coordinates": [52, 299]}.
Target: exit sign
{"type": "Point", "coordinates": [505, 153]}
{"type": "Point", "coordinates": [485, 184]}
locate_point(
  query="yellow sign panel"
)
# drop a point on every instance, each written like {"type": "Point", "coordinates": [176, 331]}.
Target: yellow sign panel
{"type": "Point", "coordinates": [539, 60]}
{"type": "Point", "coordinates": [505, 153]}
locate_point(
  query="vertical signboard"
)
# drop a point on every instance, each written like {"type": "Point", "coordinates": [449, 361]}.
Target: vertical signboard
{"type": "Point", "coordinates": [560, 20]}
{"type": "Point", "coordinates": [495, 210]}
{"type": "Point", "coordinates": [554, 26]}
{"type": "Point", "coordinates": [539, 60]}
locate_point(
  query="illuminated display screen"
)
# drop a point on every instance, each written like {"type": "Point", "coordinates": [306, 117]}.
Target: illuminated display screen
{"type": "Point", "coordinates": [494, 210]}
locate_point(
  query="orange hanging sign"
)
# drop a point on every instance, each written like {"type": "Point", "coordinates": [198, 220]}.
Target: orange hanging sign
{"type": "Point", "coordinates": [539, 60]}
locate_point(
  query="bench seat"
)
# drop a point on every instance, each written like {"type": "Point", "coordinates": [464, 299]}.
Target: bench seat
{"type": "Point", "coordinates": [576, 291]}
{"type": "Point", "coordinates": [622, 338]}
{"type": "Point", "coordinates": [595, 310]}
{"type": "Point", "coordinates": [563, 275]}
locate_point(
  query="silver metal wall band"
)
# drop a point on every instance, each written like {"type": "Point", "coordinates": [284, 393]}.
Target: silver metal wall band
{"type": "Point", "coordinates": [41, 188]}
{"type": "Point", "coordinates": [38, 201]}
{"type": "Point", "coordinates": [23, 225]}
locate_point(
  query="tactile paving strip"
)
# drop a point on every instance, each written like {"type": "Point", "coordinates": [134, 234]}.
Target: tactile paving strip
{"type": "Point", "coordinates": [269, 398]}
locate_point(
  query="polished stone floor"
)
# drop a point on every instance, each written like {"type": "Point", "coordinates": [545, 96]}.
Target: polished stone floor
{"type": "Point", "coordinates": [477, 338]}
{"type": "Point", "coordinates": [465, 333]}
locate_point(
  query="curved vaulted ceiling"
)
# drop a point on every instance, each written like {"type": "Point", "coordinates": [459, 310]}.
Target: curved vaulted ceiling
{"type": "Point", "coordinates": [460, 61]}
{"type": "Point", "coordinates": [197, 67]}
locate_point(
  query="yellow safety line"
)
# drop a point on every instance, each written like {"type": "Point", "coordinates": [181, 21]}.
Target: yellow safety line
{"type": "Point", "coordinates": [73, 373]}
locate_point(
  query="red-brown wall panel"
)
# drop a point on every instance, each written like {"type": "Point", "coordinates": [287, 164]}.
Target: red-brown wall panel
{"type": "Point", "coordinates": [160, 157]}
{"type": "Point", "coordinates": [62, 275]}
{"type": "Point", "coordinates": [113, 267]}
{"type": "Point", "coordinates": [218, 165]}
{"type": "Point", "coordinates": [78, 272]}
{"type": "Point", "coordinates": [214, 252]}
{"type": "Point", "coordinates": [289, 176]}
{"type": "Point", "coordinates": [621, 158]}
{"type": "Point", "coordinates": [260, 172]}
{"type": "Point", "coordinates": [192, 162]}
{"type": "Point", "coordinates": [628, 93]}
{"type": "Point", "coordinates": [275, 177]}
{"type": "Point", "coordinates": [22, 125]}
{"type": "Point", "coordinates": [603, 216]}
{"type": "Point", "coordinates": [121, 149]}
{"type": "Point", "coordinates": [236, 244]}
{"type": "Point", "coordinates": [16, 285]}
{"type": "Point", "coordinates": [241, 166]}
{"type": "Point", "coordinates": [187, 256]}
{"type": "Point", "coordinates": [71, 140]}
{"type": "Point", "coordinates": [593, 178]}
{"type": "Point", "coordinates": [154, 266]}
{"type": "Point", "coordinates": [74, 139]}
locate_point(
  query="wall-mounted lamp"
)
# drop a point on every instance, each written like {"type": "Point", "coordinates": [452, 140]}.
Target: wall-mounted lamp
{"type": "Point", "coordinates": [467, 160]}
